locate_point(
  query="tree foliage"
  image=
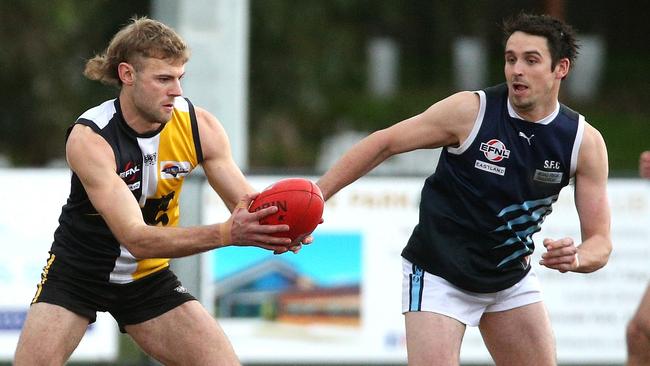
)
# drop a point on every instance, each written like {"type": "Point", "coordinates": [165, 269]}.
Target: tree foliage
{"type": "Point", "coordinates": [308, 69]}
{"type": "Point", "coordinates": [44, 48]}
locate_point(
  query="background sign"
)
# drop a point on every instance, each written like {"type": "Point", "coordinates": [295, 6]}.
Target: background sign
{"type": "Point", "coordinates": [358, 249]}
{"type": "Point", "coordinates": [339, 298]}
{"type": "Point", "coordinates": [32, 202]}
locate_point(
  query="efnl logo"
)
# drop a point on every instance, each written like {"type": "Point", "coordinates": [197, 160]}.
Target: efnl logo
{"type": "Point", "coordinates": [495, 151]}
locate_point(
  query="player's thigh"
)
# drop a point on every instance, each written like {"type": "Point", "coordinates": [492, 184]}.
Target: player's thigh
{"type": "Point", "coordinates": [49, 336]}
{"type": "Point", "coordinates": [519, 336]}
{"type": "Point", "coordinates": [433, 339]}
{"type": "Point", "coordinates": [185, 335]}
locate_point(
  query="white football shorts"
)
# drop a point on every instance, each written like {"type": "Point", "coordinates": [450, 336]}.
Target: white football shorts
{"type": "Point", "coordinates": [422, 291]}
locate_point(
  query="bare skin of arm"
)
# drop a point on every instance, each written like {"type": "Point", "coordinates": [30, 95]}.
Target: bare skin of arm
{"type": "Point", "coordinates": [446, 123]}
{"type": "Point", "coordinates": [224, 175]}
{"type": "Point", "coordinates": [92, 159]}
{"type": "Point", "coordinates": [593, 210]}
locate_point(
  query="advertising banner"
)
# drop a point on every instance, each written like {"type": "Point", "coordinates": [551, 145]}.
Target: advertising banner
{"type": "Point", "coordinates": [32, 203]}
{"type": "Point", "coordinates": [339, 299]}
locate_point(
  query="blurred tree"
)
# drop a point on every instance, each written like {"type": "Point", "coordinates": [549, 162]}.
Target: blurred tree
{"type": "Point", "coordinates": [308, 68]}
{"type": "Point", "coordinates": [308, 62]}
{"type": "Point", "coordinates": [308, 71]}
{"type": "Point", "coordinates": [44, 48]}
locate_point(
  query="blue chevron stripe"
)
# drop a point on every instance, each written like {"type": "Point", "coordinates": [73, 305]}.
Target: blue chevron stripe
{"type": "Point", "coordinates": [536, 215]}
{"type": "Point", "coordinates": [529, 204]}
{"type": "Point", "coordinates": [515, 255]}
{"type": "Point", "coordinates": [521, 235]}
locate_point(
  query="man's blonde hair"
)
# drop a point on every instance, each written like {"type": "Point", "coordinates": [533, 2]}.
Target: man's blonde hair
{"type": "Point", "coordinates": [141, 38]}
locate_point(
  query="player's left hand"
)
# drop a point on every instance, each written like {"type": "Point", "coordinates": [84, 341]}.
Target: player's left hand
{"type": "Point", "coordinates": [561, 255]}
{"type": "Point", "coordinates": [297, 245]}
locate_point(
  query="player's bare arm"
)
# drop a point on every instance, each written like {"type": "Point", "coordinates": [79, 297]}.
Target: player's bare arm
{"type": "Point", "coordinates": [229, 182]}
{"type": "Point", "coordinates": [222, 172]}
{"type": "Point", "coordinates": [593, 210]}
{"type": "Point", "coordinates": [92, 159]}
{"type": "Point", "coordinates": [446, 123]}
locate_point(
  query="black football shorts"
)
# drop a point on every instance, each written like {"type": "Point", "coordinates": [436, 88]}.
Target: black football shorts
{"type": "Point", "coordinates": [129, 303]}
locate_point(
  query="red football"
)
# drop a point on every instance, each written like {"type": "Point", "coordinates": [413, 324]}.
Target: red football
{"type": "Point", "coordinates": [300, 205]}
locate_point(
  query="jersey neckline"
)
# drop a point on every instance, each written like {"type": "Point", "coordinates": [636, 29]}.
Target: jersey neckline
{"type": "Point", "coordinates": [131, 131]}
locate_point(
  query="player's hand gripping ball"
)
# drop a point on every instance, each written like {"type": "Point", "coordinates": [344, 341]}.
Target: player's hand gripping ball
{"type": "Point", "coordinates": [300, 205]}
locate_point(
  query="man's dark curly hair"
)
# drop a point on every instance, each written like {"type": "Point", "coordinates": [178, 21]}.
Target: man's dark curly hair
{"type": "Point", "coordinates": [560, 37]}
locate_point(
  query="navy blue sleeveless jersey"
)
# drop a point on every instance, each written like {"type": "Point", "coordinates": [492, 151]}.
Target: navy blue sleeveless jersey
{"type": "Point", "coordinates": [489, 195]}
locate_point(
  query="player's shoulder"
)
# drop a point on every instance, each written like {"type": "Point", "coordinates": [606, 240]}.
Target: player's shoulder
{"type": "Point", "coordinates": [592, 136]}
{"type": "Point", "coordinates": [84, 137]}
{"type": "Point", "coordinates": [593, 152]}
{"type": "Point", "coordinates": [211, 131]}
{"type": "Point", "coordinates": [466, 101]}
{"type": "Point", "coordinates": [206, 119]}
{"type": "Point", "coordinates": [458, 109]}
{"type": "Point", "coordinates": [85, 145]}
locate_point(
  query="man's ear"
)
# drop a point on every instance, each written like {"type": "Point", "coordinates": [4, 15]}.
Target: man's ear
{"type": "Point", "coordinates": [126, 72]}
{"type": "Point", "coordinates": [562, 68]}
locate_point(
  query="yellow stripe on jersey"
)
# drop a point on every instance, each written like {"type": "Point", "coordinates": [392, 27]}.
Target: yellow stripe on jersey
{"type": "Point", "coordinates": [149, 266]}
{"type": "Point", "coordinates": [176, 157]}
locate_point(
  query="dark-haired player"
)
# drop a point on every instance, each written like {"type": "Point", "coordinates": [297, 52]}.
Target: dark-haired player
{"type": "Point", "coordinates": [508, 151]}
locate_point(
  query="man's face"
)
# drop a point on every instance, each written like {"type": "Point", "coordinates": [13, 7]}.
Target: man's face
{"type": "Point", "coordinates": [156, 84]}
{"type": "Point", "coordinates": [531, 82]}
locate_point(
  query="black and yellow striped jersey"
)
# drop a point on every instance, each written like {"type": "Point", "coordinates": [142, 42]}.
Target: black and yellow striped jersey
{"type": "Point", "coordinates": [153, 166]}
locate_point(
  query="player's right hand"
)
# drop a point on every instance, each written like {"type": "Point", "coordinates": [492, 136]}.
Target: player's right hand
{"type": "Point", "coordinates": [246, 230]}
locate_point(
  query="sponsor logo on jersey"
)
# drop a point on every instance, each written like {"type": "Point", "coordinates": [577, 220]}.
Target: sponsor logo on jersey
{"type": "Point", "coordinates": [134, 186]}
{"type": "Point", "coordinates": [181, 290]}
{"type": "Point", "coordinates": [174, 169]}
{"type": "Point", "coordinates": [528, 138]}
{"type": "Point", "coordinates": [130, 173]}
{"type": "Point", "coordinates": [490, 168]}
{"type": "Point", "coordinates": [548, 177]}
{"type": "Point", "coordinates": [494, 150]}
{"type": "Point", "coordinates": [150, 159]}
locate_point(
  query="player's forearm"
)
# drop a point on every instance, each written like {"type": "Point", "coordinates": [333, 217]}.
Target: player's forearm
{"type": "Point", "coordinates": [359, 160]}
{"type": "Point", "coordinates": [593, 253]}
{"type": "Point", "coordinates": [172, 242]}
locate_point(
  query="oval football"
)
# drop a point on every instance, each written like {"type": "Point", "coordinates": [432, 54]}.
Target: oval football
{"type": "Point", "coordinates": [300, 205]}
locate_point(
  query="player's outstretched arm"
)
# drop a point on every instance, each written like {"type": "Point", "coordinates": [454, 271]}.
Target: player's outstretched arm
{"type": "Point", "coordinates": [446, 123]}
{"type": "Point", "coordinates": [229, 183]}
{"type": "Point", "coordinates": [593, 210]}
{"type": "Point", "coordinates": [92, 159]}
